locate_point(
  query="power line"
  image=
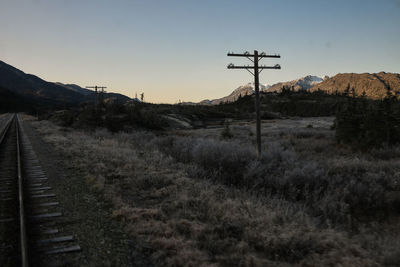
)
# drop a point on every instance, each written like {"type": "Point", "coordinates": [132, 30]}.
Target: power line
{"type": "Point", "coordinates": [255, 70]}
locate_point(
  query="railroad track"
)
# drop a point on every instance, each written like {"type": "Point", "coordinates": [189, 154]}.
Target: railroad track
{"type": "Point", "coordinates": [30, 218]}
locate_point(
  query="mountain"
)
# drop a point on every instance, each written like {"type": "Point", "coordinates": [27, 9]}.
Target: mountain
{"type": "Point", "coordinates": [303, 83]}
{"type": "Point", "coordinates": [39, 92]}
{"type": "Point", "coordinates": [247, 89]}
{"type": "Point", "coordinates": [31, 86]}
{"type": "Point", "coordinates": [76, 88]}
{"type": "Point", "coordinates": [90, 94]}
{"type": "Point", "coordinates": [374, 84]}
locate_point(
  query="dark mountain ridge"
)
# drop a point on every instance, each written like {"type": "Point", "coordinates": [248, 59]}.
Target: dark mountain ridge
{"type": "Point", "coordinates": [76, 88]}
{"type": "Point", "coordinates": [31, 86]}
{"type": "Point", "coordinates": [38, 92]}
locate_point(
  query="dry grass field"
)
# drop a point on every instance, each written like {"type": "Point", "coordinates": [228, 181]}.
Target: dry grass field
{"type": "Point", "coordinates": [190, 198]}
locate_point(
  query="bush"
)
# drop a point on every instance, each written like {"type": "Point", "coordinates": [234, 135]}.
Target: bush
{"type": "Point", "coordinates": [64, 118]}
{"type": "Point", "coordinates": [226, 132]}
{"type": "Point", "coordinates": [115, 123]}
{"type": "Point", "coordinates": [342, 194]}
{"type": "Point", "coordinates": [367, 124]}
{"type": "Point", "coordinates": [151, 120]}
{"type": "Point", "coordinates": [223, 160]}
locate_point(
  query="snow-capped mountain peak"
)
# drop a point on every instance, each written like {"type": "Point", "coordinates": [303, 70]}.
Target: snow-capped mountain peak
{"type": "Point", "coordinates": [303, 83]}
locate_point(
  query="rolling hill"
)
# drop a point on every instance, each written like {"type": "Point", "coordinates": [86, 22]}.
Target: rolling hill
{"type": "Point", "coordinates": [373, 84]}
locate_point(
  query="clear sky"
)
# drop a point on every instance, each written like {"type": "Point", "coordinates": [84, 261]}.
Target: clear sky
{"type": "Point", "coordinates": [176, 49]}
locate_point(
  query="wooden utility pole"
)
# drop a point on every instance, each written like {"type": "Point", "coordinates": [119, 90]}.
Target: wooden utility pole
{"type": "Point", "coordinates": [255, 71]}
{"type": "Point", "coordinates": [96, 88]}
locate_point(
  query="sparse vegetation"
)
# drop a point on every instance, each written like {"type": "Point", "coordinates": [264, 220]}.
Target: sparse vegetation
{"type": "Point", "coordinates": [203, 197]}
{"type": "Point", "coordinates": [195, 200]}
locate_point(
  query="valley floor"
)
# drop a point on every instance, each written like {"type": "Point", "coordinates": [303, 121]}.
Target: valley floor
{"type": "Point", "coordinates": [189, 198]}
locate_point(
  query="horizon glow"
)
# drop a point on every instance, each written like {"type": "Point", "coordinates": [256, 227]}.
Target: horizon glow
{"type": "Point", "coordinates": [176, 50]}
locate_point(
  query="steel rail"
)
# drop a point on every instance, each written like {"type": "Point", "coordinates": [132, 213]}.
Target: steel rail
{"type": "Point", "coordinates": [23, 236]}
{"type": "Point", "coordinates": [25, 255]}
{"type": "Point", "coordinates": [5, 129]}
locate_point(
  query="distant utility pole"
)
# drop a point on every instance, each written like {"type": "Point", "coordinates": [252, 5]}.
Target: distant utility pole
{"type": "Point", "coordinates": [98, 90]}
{"type": "Point", "coordinates": [255, 71]}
